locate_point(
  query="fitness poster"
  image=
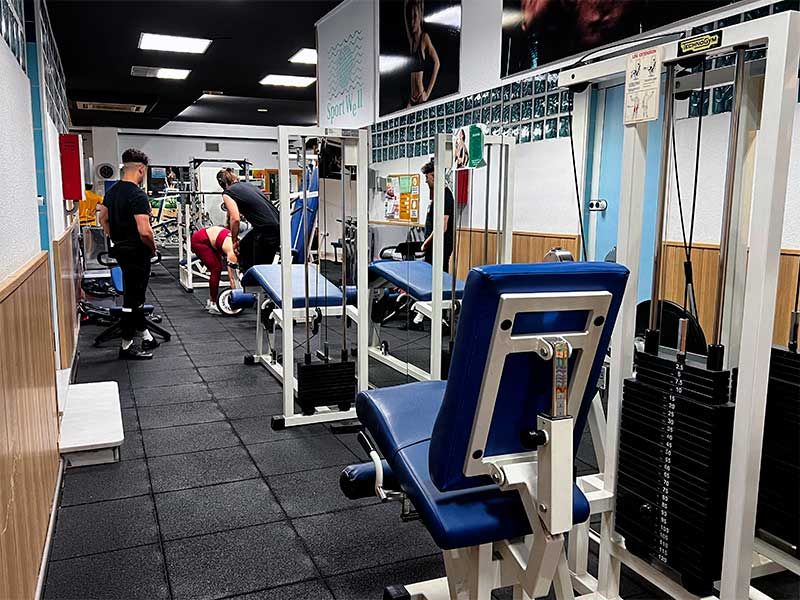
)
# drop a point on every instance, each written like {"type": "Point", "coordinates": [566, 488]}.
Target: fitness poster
{"type": "Point", "coordinates": [420, 52]}
{"type": "Point", "coordinates": [538, 32]}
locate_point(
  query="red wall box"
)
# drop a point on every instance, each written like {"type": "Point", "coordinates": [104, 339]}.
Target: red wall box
{"type": "Point", "coordinates": [71, 149]}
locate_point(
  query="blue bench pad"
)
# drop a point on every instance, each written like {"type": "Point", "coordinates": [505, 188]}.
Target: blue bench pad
{"type": "Point", "coordinates": [321, 291]}
{"type": "Point", "coordinates": [415, 277]}
{"type": "Point", "coordinates": [400, 420]}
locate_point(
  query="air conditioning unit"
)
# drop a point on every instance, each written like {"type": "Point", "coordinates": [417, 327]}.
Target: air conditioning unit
{"type": "Point", "coordinates": [112, 107]}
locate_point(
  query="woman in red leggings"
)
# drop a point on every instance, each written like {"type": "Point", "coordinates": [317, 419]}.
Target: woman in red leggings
{"type": "Point", "coordinates": [213, 245]}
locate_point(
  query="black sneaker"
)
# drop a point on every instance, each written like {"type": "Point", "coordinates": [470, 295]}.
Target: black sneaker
{"type": "Point", "coordinates": [134, 353]}
{"type": "Point", "coordinates": [150, 344]}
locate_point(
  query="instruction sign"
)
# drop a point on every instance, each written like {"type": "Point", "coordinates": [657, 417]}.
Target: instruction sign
{"type": "Point", "coordinates": [468, 143]}
{"type": "Point", "coordinates": [643, 86]}
{"type": "Point", "coordinates": [401, 197]}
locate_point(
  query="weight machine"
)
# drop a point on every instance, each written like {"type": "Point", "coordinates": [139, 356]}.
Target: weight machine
{"type": "Point", "coordinates": [654, 538]}
{"type": "Point", "coordinates": [193, 215]}
{"type": "Point", "coordinates": [432, 295]}
{"type": "Point", "coordinates": [323, 388]}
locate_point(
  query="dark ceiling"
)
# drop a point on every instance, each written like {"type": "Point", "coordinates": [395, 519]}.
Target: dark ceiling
{"type": "Point", "coordinates": [98, 41]}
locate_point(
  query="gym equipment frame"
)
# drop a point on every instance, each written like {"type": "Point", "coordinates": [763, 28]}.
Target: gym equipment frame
{"type": "Point", "coordinates": [433, 309]}
{"type": "Point", "coordinates": [191, 211]}
{"type": "Point", "coordinates": [745, 329]}
{"type": "Point", "coordinates": [354, 154]}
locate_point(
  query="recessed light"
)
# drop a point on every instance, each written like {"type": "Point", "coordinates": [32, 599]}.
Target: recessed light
{"type": "Point", "coordinates": [173, 43]}
{"type": "Point", "coordinates": [288, 80]}
{"type": "Point", "coordinates": [262, 109]}
{"type": "Point", "coordinates": [159, 73]}
{"type": "Point", "coordinates": [305, 56]}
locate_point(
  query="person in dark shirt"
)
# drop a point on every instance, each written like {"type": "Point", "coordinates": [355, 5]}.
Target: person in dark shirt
{"type": "Point", "coordinates": [242, 199]}
{"type": "Point", "coordinates": [125, 217]}
{"type": "Point", "coordinates": [449, 223]}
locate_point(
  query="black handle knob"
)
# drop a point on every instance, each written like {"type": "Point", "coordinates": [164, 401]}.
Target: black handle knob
{"type": "Point", "coordinates": [533, 438]}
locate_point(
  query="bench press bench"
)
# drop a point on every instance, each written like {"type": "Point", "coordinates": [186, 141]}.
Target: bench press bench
{"type": "Point", "coordinates": [487, 458]}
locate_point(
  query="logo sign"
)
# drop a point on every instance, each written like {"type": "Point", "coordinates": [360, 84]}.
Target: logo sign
{"type": "Point", "coordinates": [643, 86]}
{"type": "Point", "coordinates": [700, 43]}
{"type": "Point", "coordinates": [468, 144]}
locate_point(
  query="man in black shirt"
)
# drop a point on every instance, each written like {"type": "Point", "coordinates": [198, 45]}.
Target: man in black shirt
{"type": "Point", "coordinates": [449, 223]}
{"type": "Point", "coordinates": [245, 200]}
{"type": "Point", "coordinates": [125, 217]}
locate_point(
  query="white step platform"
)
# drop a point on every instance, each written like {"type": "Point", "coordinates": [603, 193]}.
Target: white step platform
{"type": "Point", "coordinates": [91, 428]}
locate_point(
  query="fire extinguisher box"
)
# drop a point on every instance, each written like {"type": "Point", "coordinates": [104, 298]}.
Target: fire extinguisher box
{"type": "Point", "coordinates": [71, 148]}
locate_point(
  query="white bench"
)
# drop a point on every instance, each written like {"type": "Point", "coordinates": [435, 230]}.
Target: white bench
{"type": "Point", "coordinates": [91, 428]}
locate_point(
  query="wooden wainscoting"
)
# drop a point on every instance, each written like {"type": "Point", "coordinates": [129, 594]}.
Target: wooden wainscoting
{"type": "Point", "coordinates": [66, 290]}
{"type": "Point", "coordinates": [705, 258]}
{"type": "Point", "coordinates": [29, 425]}
{"type": "Point", "coordinates": [526, 247]}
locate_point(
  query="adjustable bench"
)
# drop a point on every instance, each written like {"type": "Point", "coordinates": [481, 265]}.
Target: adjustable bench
{"type": "Point", "coordinates": [486, 458]}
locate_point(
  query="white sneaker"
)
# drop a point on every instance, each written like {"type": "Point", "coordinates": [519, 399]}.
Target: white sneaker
{"type": "Point", "coordinates": [208, 305]}
{"type": "Point", "coordinates": [213, 310]}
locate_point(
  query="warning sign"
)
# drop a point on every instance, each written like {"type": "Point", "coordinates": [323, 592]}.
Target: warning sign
{"type": "Point", "coordinates": [643, 86]}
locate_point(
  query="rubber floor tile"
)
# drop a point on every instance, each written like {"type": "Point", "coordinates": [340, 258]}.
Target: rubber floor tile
{"type": "Point", "coordinates": [174, 394]}
{"type": "Point", "coordinates": [130, 420]}
{"type": "Point", "coordinates": [164, 378]}
{"type": "Point", "coordinates": [221, 347]}
{"type": "Point", "coordinates": [247, 386]}
{"type": "Point", "coordinates": [295, 455]}
{"type": "Point", "coordinates": [216, 508]}
{"type": "Point", "coordinates": [132, 574]}
{"type": "Point", "coordinates": [236, 562]}
{"type": "Point", "coordinates": [313, 492]}
{"type": "Point", "coordinates": [243, 407]}
{"type": "Point", "coordinates": [169, 415]}
{"type": "Point", "coordinates": [132, 448]}
{"type": "Point", "coordinates": [104, 526]}
{"type": "Point", "coordinates": [257, 430]}
{"type": "Point", "coordinates": [158, 363]}
{"type": "Point", "coordinates": [373, 535]}
{"type": "Point", "coordinates": [182, 471]}
{"type": "Point", "coordinates": [371, 582]}
{"type": "Point", "coordinates": [188, 438]}
{"type": "Point", "coordinates": [308, 590]}
{"type": "Point", "coordinates": [214, 360]}
{"type": "Point", "coordinates": [105, 482]}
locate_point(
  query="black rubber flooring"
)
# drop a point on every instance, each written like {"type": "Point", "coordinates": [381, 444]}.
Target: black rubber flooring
{"type": "Point", "coordinates": [209, 502]}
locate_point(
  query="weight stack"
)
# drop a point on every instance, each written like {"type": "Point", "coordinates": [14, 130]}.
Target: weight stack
{"type": "Point", "coordinates": [326, 384]}
{"type": "Point", "coordinates": [777, 519]}
{"type": "Point", "coordinates": [674, 457]}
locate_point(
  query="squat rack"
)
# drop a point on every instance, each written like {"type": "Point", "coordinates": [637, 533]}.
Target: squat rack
{"type": "Point", "coordinates": [191, 216]}
{"type": "Point", "coordinates": [750, 291]}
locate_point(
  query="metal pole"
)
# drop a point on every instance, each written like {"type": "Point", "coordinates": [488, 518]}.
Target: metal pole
{"type": "Point", "coordinates": [730, 180]}
{"type": "Point", "coordinates": [663, 177]}
{"type": "Point", "coordinates": [305, 257]}
{"type": "Point", "coordinates": [502, 187]}
{"type": "Point", "coordinates": [345, 171]}
{"type": "Point", "coordinates": [486, 208]}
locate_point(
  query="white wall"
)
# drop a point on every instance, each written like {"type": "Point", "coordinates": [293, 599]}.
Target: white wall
{"type": "Point", "coordinates": [19, 227]}
{"type": "Point", "coordinates": [55, 190]}
{"type": "Point", "coordinates": [711, 182]}
{"type": "Point", "coordinates": [176, 150]}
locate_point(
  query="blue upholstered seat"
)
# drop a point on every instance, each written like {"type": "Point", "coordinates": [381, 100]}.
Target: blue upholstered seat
{"type": "Point", "coordinates": [321, 292]}
{"type": "Point", "coordinates": [415, 277]}
{"type": "Point", "coordinates": [401, 421]}
{"type": "Point", "coordinates": [423, 429]}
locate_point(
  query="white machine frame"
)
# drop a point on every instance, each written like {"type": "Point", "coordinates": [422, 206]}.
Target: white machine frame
{"type": "Point", "coordinates": [354, 147]}
{"type": "Point", "coordinates": [433, 309]}
{"type": "Point", "coordinates": [749, 292]}
{"type": "Point", "coordinates": [194, 274]}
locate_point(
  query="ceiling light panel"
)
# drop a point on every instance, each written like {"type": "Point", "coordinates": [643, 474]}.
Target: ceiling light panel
{"type": "Point", "coordinates": [173, 43]}
{"type": "Point", "coordinates": [288, 81]}
{"type": "Point", "coordinates": [305, 56]}
{"type": "Point", "coordinates": [159, 73]}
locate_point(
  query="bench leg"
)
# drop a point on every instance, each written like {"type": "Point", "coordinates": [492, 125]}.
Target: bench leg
{"type": "Point", "coordinates": [109, 333]}
{"type": "Point", "coordinates": [159, 331]}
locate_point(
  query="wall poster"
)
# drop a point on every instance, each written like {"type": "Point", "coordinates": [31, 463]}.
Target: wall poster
{"type": "Point", "coordinates": [401, 197]}
{"type": "Point", "coordinates": [346, 54]}
{"type": "Point", "coordinates": [538, 32]}
{"type": "Point", "coordinates": [420, 52]}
